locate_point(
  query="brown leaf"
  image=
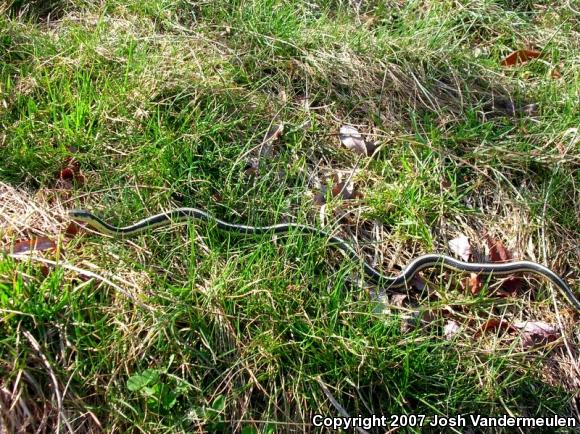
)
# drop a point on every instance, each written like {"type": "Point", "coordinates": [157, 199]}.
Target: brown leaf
{"type": "Point", "coordinates": [341, 189]}
{"type": "Point", "coordinates": [45, 269]}
{"type": "Point", "coordinates": [444, 184]}
{"type": "Point", "coordinates": [474, 283]}
{"type": "Point", "coordinates": [72, 229]}
{"type": "Point", "coordinates": [418, 283]}
{"type": "Point", "coordinates": [69, 174]}
{"type": "Point", "coordinates": [266, 149]}
{"type": "Point", "coordinates": [252, 167]}
{"type": "Point", "coordinates": [536, 332]}
{"type": "Point", "coordinates": [537, 328]}
{"type": "Point", "coordinates": [520, 56]}
{"type": "Point", "coordinates": [510, 287]}
{"type": "Point", "coordinates": [494, 324]}
{"type": "Point", "coordinates": [34, 244]}
{"type": "Point", "coordinates": [398, 299]}
{"type": "Point", "coordinates": [320, 197]}
{"type": "Point", "coordinates": [66, 173]}
{"type": "Point", "coordinates": [352, 139]}
{"type": "Point", "coordinates": [412, 319]}
{"type": "Point", "coordinates": [498, 253]}
{"type": "Point", "coordinates": [274, 133]}
{"type": "Point", "coordinates": [337, 189]}
{"type": "Point", "coordinates": [460, 246]}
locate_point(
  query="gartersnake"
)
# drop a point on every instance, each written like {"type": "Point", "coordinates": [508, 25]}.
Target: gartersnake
{"type": "Point", "coordinates": [402, 280]}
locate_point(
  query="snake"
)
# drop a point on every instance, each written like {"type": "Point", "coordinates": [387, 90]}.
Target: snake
{"type": "Point", "coordinates": [402, 280]}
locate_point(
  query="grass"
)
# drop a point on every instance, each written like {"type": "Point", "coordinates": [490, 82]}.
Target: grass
{"type": "Point", "coordinates": [165, 104]}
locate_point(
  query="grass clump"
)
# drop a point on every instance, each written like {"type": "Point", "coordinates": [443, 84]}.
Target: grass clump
{"type": "Point", "coordinates": [188, 329]}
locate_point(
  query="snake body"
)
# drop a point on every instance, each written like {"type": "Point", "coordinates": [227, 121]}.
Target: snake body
{"type": "Point", "coordinates": [402, 280]}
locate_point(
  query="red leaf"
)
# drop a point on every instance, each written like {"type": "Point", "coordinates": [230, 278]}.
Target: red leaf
{"type": "Point", "coordinates": [67, 173]}
{"type": "Point", "coordinates": [474, 283]}
{"type": "Point", "coordinates": [498, 253]}
{"type": "Point", "coordinates": [72, 172]}
{"type": "Point", "coordinates": [520, 56]}
{"type": "Point", "coordinates": [72, 229]}
{"type": "Point", "coordinates": [494, 324]}
{"type": "Point", "coordinates": [38, 244]}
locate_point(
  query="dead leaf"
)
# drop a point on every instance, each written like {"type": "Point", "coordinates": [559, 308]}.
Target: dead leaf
{"type": "Point", "coordinates": [444, 184]}
{"type": "Point", "coordinates": [520, 56]}
{"type": "Point", "coordinates": [536, 332]}
{"type": "Point", "coordinates": [337, 189]}
{"type": "Point", "coordinates": [398, 299]}
{"type": "Point", "coordinates": [320, 197]}
{"type": "Point", "coordinates": [494, 324]}
{"type": "Point", "coordinates": [451, 329]}
{"type": "Point", "coordinates": [283, 96]}
{"type": "Point", "coordinates": [352, 139]}
{"type": "Point", "coordinates": [274, 133]}
{"type": "Point", "coordinates": [70, 174]}
{"type": "Point", "coordinates": [252, 167]}
{"type": "Point", "coordinates": [473, 283]}
{"type": "Point", "coordinates": [66, 173]}
{"type": "Point", "coordinates": [460, 247]}
{"type": "Point", "coordinates": [536, 327]}
{"type": "Point", "coordinates": [303, 102]}
{"type": "Point", "coordinates": [342, 190]}
{"type": "Point", "coordinates": [418, 283]}
{"type": "Point", "coordinates": [72, 229]}
{"type": "Point", "coordinates": [498, 253]}
{"type": "Point", "coordinates": [266, 149]}
{"type": "Point", "coordinates": [510, 287]}
{"type": "Point", "coordinates": [34, 244]}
